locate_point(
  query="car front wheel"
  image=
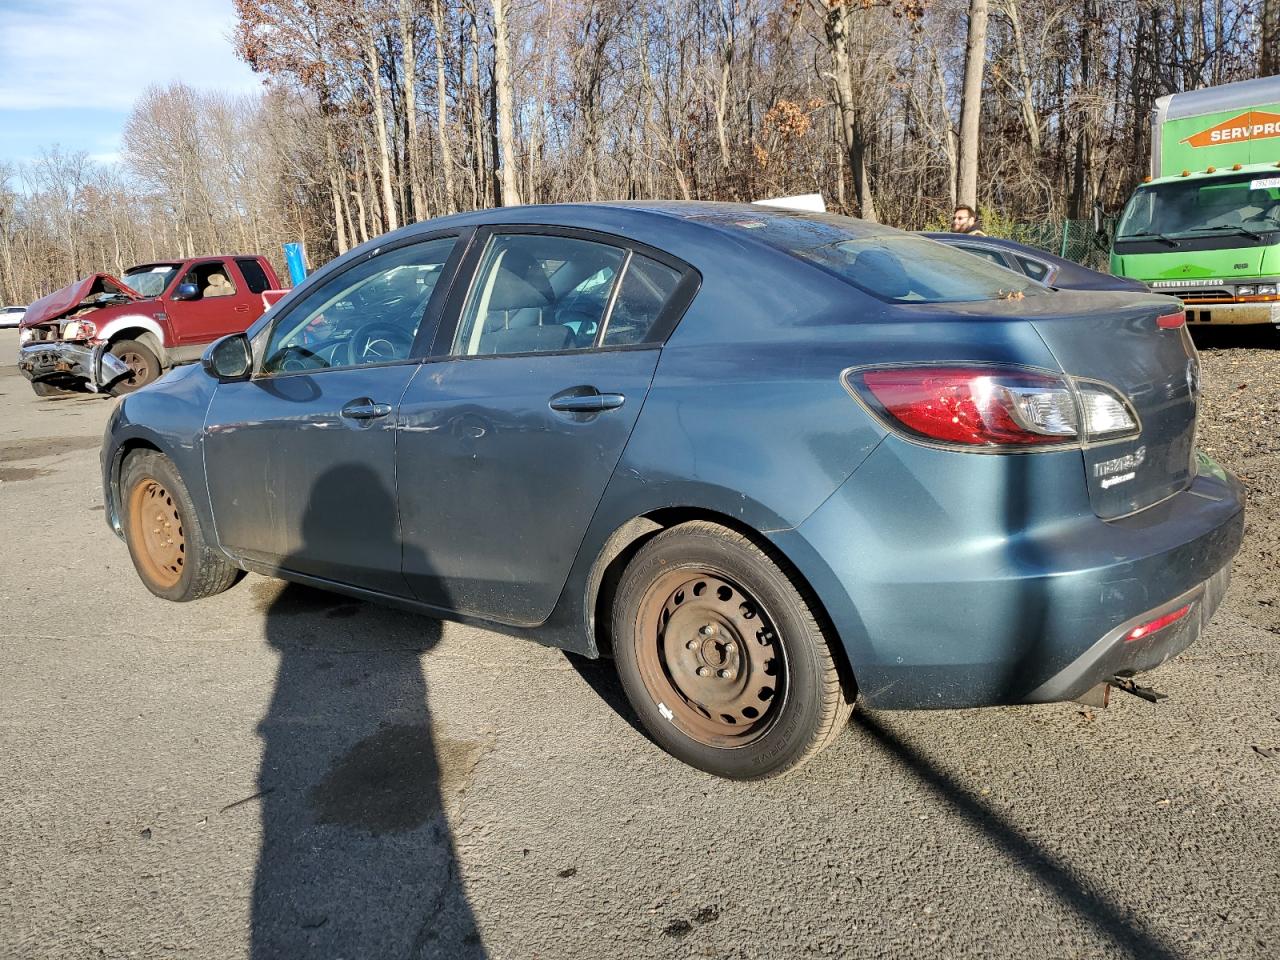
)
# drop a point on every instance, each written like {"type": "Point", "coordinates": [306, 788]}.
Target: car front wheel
{"type": "Point", "coordinates": [166, 542]}
{"type": "Point", "coordinates": [722, 655]}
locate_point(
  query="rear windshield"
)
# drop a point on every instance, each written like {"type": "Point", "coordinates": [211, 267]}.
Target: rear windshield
{"type": "Point", "coordinates": [894, 266]}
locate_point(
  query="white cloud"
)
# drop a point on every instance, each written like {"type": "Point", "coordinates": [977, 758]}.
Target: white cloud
{"type": "Point", "coordinates": [92, 55]}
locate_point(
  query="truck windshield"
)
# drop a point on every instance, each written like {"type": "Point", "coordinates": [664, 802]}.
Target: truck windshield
{"type": "Point", "coordinates": [1241, 203]}
{"type": "Point", "coordinates": [150, 281]}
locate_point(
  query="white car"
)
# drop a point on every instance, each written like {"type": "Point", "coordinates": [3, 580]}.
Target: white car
{"type": "Point", "coordinates": [11, 316]}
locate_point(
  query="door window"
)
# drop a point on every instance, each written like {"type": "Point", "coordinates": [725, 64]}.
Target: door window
{"type": "Point", "coordinates": [369, 313]}
{"type": "Point", "coordinates": [212, 280]}
{"type": "Point", "coordinates": [986, 253]}
{"type": "Point", "coordinates": [646, 288]}
{"type": "Point", "coordinates": [538, 294]}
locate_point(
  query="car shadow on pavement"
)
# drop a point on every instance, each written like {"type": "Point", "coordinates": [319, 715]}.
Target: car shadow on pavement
{"type": "Point", "coordinates": [1129, 934]}
{"type": "Point", "coordinates": [357, 859]}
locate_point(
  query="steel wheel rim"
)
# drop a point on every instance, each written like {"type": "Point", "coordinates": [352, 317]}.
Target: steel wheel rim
{"type": "Point", "coordinates": [155, 528]}
{"type": "Point", "coordinates": [136, 364]}
{"type": "Point", "coordinates": [711, 658]}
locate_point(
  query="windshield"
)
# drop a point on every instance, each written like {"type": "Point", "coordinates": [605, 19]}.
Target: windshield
{"type": "Point", "coordinates": [150, 281]}
{"type": "Point", "coordinates": [1246, 202]}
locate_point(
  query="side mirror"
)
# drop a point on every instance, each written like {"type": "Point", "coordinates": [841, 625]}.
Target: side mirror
{"type": "Point", "coordinates": [229, 358]}
{"type": "Point", "coordinates": [186, 291]}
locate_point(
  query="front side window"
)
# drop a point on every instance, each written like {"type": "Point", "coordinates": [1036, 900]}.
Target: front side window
{"type": "Point", "coordinates": [537, 294]}
{"type": "Point", "coordinates": [212, 280]}
{"type": "Point", "coordinates": [367, 314]}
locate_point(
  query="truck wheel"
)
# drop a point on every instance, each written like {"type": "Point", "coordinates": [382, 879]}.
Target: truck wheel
{"type": "Point", "coordinates": [168, 547]}
{"type": "Point", "coordinates": [49, 390]}
{"type": "Point", "coordinates": [722, 656]}
{"type": "Point", "coordinates": [143, 364]}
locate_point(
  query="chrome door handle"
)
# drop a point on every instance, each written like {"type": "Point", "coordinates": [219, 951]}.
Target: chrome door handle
{"type": "Point", "coordinates": [591, 403]}
{"type": "Point", "coordinates": [365, 409]}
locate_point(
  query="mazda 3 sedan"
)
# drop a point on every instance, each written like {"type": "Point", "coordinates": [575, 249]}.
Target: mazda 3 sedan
{"type": "Point", "coordinates": [771, 462]}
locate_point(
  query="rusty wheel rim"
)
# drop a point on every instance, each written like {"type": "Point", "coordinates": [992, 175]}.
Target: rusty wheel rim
{"type": "Point", "coordinates": [155, 528]}
{"type": "Point", "coordinates": [710, 657]}
{"type": "Point", "coordinates": [136, 364]}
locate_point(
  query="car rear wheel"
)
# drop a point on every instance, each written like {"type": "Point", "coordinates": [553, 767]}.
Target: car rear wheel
{"type": "Point", "coordinates": [165, 539]}
{"type": "Point", "coordinates": [722, 655]}
{"type": "Point", "coordinates": [143, 364]}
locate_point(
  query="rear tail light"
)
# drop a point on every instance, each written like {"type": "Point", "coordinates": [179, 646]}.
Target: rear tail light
{"type": "Point", "coordinates": [1159, 623]}
{"type": "Point", "coordinates": [1171, 321]}
{"type": "Point", "coordinates": [993, 407]}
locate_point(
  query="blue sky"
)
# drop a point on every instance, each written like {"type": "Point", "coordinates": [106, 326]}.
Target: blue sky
{"type": "Point", "coordinates": [71, 69]}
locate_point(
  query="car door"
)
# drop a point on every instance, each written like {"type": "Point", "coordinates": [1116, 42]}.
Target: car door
{"type": "Point", "coordinates": [510, 433]}
{"type": "Point", "coordinates": [300, 458]}
{"type": "Point", "coordinates": [217, 309]}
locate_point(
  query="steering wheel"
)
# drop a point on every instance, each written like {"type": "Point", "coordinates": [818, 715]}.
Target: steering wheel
{"type": "Point", "coordinates": [377, 342]}
{"type": "Point", "coordinates": [293, 358]}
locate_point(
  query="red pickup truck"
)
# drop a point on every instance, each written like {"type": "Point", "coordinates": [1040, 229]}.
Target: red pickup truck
{"type": "Point", "coordinates": [101, 334]}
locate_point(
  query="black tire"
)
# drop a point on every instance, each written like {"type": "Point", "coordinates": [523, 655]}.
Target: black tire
{"type": "Point", "coordinates": [163, 532]}
{"type": "Point", "coordinates": [723, 657]}
{"type": "Point", "coordinates": [49, 390]}
{"type": "Point", "coordinates": [142, 361]}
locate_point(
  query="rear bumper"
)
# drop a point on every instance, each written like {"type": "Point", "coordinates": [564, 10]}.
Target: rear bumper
{"type": "Point", "coordinates": [964, 581]}
{"type": "Point", "coordinates": [1221, 314]}
{"type": "Point", "coordinates": [70, 365]}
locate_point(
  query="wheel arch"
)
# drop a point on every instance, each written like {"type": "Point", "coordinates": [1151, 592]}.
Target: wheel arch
{"type": "Point", "coordinates": [126, 447]}
{"type": "Point", "coordinates": [626, 539]}
{"type": "Point", "coordinates": [143, 329]}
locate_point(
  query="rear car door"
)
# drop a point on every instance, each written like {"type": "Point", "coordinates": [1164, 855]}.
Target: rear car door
{"type": "Point", "coordinates": [510, 433]}
{"type": "Point", "coordinates": [300, 459]}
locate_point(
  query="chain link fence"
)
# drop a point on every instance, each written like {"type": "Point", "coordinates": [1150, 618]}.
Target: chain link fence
{"type": "Point", "coordinates": [1073, 239]}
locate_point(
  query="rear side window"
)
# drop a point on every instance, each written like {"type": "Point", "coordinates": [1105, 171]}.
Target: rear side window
{"type": "Point", "coordinates": [1034, 268]}
{"type": "Point", "coordinates": [985, 253]}
{"type": "Point", "coordinates": [255, 278]}
{"type": "Point", "coordinates": [646, 288]}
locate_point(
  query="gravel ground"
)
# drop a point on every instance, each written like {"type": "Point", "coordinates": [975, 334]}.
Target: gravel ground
{"type": "Point", "coordinates": [277, 772]}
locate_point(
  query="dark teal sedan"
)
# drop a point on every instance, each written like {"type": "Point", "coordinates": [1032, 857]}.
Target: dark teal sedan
{"type": "Point", "coordinates": [773, 463]}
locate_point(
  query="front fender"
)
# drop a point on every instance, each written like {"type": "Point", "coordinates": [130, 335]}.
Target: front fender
{"type": "Point", "coordinates": [167, 416]}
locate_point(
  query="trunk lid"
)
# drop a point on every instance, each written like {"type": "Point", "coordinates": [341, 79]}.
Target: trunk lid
{"type": "Point", "coordinates": [1114, 338]}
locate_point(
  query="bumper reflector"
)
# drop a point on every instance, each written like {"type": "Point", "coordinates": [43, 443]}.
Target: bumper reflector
{"type": "Point", "coordinates": [1159, 623]}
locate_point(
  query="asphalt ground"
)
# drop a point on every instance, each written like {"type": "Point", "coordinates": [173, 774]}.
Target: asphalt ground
{"type": "Point", "coordinates": [277, 772]}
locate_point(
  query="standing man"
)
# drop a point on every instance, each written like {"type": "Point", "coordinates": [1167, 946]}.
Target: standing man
{"type": "Point", "coordinates": [965, 220]}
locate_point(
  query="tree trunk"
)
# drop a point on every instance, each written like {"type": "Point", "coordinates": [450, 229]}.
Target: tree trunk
{"type": "Point", "coordinates": [409, 51]}
{"type": "Point", "coordinates": [380, 129]}
{"type": "Point", "coordinates": [1270, 23]}
{"type": "Point", "coordinates": [442, 99]}
{"type": "Point", "coordinates": [839, 23]}
{"type": "Point", "coordinates": [971, 102]}
{"type": "Point", "coordinates": [502, 85]}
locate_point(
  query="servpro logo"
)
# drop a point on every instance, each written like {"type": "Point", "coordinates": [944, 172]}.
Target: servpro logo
{"type": "Point", "coordinates": [1254, 125]}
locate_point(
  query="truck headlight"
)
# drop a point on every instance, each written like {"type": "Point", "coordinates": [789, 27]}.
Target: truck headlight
{"type": "Point", "coordinates": [1246, 291]}
{"type": "Point", "coordinates": [25, 334]}
{"type": "Point", "coordinates": [79, 330]}
{"type": "Point", "coordinates": [1266, 289]}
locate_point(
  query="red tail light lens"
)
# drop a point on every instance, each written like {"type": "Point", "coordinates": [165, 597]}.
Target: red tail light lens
{"type": "Point", "coordinates": [974, 406]}
{"type": "Point", "coordinates": [993, 406]}
{"type": "Point", "coordinates": [1171, 321]}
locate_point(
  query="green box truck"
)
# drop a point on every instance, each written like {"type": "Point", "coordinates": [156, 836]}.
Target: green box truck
{"type": "Point", "coordinates": [1205, 226]}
